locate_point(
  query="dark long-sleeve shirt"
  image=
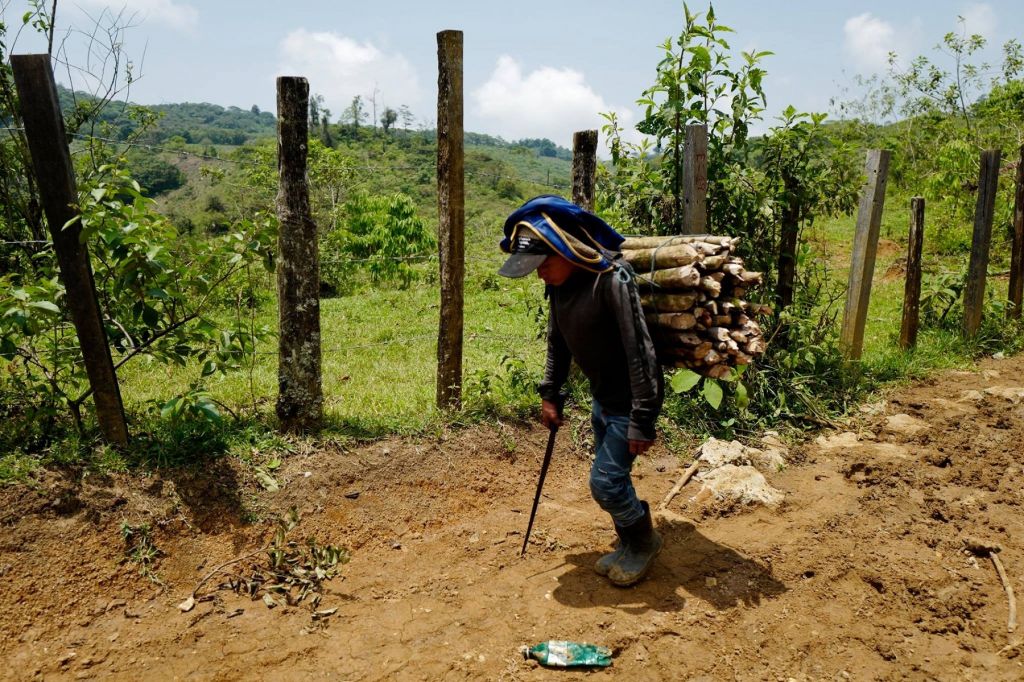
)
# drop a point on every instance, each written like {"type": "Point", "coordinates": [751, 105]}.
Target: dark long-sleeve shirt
{"type": "Point", "coordinates": [597, 320]}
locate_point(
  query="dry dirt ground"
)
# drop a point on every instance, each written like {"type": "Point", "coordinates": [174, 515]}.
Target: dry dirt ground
{"type": "Point", "coordinates": [861, 573]}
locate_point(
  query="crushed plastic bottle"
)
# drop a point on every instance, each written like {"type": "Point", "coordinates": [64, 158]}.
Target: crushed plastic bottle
{"type": "Point", "coordinates": [562, 654]}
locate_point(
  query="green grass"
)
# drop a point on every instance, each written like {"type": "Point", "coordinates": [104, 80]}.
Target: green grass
{"type": "Point", "coordinates": [936, 349]}
{"type": "Point", "coordinates": [380, 351]}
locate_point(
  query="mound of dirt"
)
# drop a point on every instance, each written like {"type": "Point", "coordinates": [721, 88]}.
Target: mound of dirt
{"type": "Point", "coordinates": [864, 571]}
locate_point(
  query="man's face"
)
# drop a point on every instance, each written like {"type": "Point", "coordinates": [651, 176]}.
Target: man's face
{"type": "Point", "coordinates": [555, 270]}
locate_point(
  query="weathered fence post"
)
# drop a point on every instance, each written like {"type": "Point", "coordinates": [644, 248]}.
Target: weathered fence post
{"type": "Point", "coordinates": [451, 217]}
{"type": "Point", "coordinates": [300, 399]}
{"type": "Point", "coordinates": [695, 176]}
{"type": "Point", "coordinates": [912, 288]}
{"type": "Point", "coordinates": [865, 245]}
{"type": "Point", "coordinates": [1017, 256]}
{"type": "Point", "coordinates": [51, 161]}
{"type": "Point", "coordinates": [788, 239]}
{"type": "Point", "coordinates": [584, 168]}
{"type": "Point", "coordinates": [977, 270]}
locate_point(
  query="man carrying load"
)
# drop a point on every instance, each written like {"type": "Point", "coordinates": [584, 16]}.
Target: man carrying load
{"type": "Point", "coordinates": [595, 318]}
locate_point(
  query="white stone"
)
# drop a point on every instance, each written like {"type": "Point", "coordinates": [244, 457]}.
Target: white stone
{"type": "Point", "coordinates": [1012, 393]}
{"type": "Point", "coordinates": [838, 441]}
{"type": "Point", "coordinates": [738, 485]}
{"type": "Point", "coordinates": [904, 425]}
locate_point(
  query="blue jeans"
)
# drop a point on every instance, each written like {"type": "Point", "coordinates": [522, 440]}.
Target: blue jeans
{"type": "Point", "coordinates": [610, 482]}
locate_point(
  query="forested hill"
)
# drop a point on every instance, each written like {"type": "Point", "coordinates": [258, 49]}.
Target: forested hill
{"type": "Point", "coordinates": [211, 124]}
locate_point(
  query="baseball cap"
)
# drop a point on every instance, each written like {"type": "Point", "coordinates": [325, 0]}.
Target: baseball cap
{"type": "Point", "coordinates": [528, 253]}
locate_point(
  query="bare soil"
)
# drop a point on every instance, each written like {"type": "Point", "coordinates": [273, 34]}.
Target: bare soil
{"type": "Point", "coordinates": [861, 573]}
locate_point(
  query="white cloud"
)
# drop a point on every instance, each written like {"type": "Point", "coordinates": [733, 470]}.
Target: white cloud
{"type": "Point", "coordinates": [547, 102]}
{"type": "Point", "coordinates": [340, 68]}
{"type": "Point", "coordinates": [174, 14]}
{"type": "Point", "coordinates": [868, 41]}
{"type": "Point", "coordinates": [979, 17]}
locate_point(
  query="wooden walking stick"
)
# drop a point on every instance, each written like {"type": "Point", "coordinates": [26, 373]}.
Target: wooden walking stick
{"type": "Point", "coordinates": [540, 485]}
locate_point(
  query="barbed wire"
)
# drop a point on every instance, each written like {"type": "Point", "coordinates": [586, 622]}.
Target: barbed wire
{"type": "Point", "coordinates": [423, 257]}
{"type": "Point", "coordinates": [24, 242]}
{"type": "Point", "coordinates": [405, 340]}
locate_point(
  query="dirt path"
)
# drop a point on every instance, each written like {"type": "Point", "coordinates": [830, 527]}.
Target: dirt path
{"type": "Point", "coordinates": [860, 574]}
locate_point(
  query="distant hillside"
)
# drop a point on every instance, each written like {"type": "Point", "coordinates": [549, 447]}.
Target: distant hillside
{"type": "Point", "coordinates": [211, 124]}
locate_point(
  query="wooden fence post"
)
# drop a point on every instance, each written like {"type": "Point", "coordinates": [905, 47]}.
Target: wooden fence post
{"type": "Point", "coordinates": [51, 161]}
{"type": "Point", "coordinates": [1017, 257]}
{"type": "Point", "coordinates": [451, 217]}
{"type": "Point", "coordinates": [695, 177]}
{"type": "Point", "coordinates": [300, 399]}
{"type": "Point", "coordinates": [865, 245]}
{"type": "Point", "coordinates": [584, 168]}
{"type": "Point", "coordinates": [788, 242]}
{"type": "Point", "coordinates": [974, 292]}
{"type": "Point", "coordinates": [912, 288]}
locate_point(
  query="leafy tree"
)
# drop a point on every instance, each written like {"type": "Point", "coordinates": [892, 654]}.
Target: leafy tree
{"type": "Point", "coordinates": [387, 119]}
{"type": "Point", "coordinates": [937, 113]}
{"type": "Point", "coordinates": [355, 114]}
{"type": "Point", "coordinates": [407, 117]}
{"type": "Point", "coordinates": [381, 235]}
{"type": "Point", "coordinates": [765, 190]}
{"type": "Point", "coordinates": [154, 284]}
{"type": "Point", "coordinates": [153, 174]}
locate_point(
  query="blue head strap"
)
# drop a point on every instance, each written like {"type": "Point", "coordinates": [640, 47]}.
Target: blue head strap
{"type": "Point", "coordinates": [551, 218]}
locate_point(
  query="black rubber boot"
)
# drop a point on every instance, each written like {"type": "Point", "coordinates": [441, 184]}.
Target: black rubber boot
{"type": "Point", "coordinates": [640, 544]}
{"type": "Point", "coordinates": [605, 563]}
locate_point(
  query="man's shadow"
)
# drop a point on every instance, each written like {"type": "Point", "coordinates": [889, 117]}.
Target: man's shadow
{"type": "Point", "coordinates": [689, 564]}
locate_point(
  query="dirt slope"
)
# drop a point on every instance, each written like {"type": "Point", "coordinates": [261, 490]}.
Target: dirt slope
{"type": "Point", "coordinates": [860, 574]}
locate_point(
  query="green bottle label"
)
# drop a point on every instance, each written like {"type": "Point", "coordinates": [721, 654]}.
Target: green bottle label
{"type": "Point", "coordinates": [562, 654]}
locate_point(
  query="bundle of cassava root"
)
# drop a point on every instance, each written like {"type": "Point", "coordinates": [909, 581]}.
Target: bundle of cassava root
{"type": "Point", "coordinates": [692, 289]}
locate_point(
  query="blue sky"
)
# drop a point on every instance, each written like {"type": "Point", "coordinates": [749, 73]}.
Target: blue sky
{"type": "Point", "coordinates": [532, 69]}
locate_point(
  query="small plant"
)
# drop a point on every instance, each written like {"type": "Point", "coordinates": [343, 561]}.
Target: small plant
{"type": "Point", "coordinates": [283, 571]}
{"type": "Point", "coordinates": [140, 549]}
{"type": "Point", "coordinates": [713, 390]}
{"type": "Point", "coordinates": [941, 292]}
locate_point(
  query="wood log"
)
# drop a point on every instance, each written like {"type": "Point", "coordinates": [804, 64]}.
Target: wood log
{"type": "Point", "coordinates": [683, 277]}
{"type": "Point", "coordinates": [708, 249]}
{"type": "Point", "coordinates": [718, 371]}
{"type": "Point", "coordinates": [679, 321]}
{"type": "Point", "coordinates": [742, 359]}
{"type": "Point", "coordinates": [754, 346]}
{"type": "Point", "coordinates": [711, 286]}
{"type": "Point", "coordinates": [710, 263]}
{"type": "Point", "coordinates": [718, 333]}
{"type": "Point", "coordinates": [668, 303]}
{"type": "Point", "coordinates": [634, 243]}
{"type": "Point", "coordinates": [722, 320]}
{"type": "Point", "coordinates": [659, 258]}
{"type": "Point", "coordinates": [712, 357]}
{"type": "Point", "coordinates": [749, 277]}
{"type": "Point", "coordinates": [734, 269]}
{"type": "Point", "coordinates": [689, 339]}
